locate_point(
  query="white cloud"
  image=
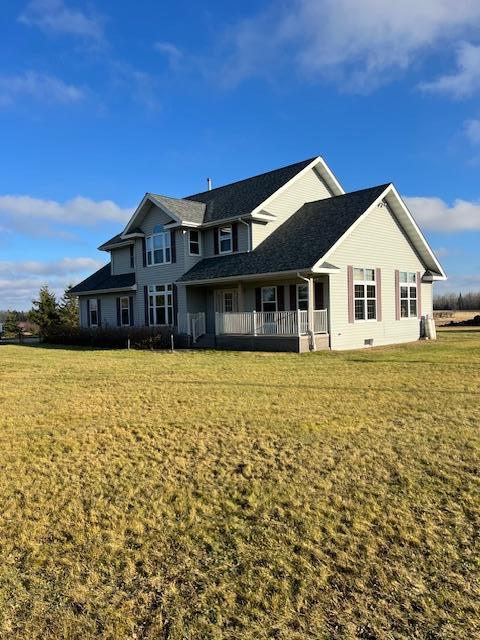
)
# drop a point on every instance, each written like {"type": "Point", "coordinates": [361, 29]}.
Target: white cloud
{"type": "Point", "coordinates": [472, 131]}
{"type": "Point", "coordinates": [56, 268]}
{"type": "Point", "coordinates": [172, 52]}
{"type": "Point", "coordinates": [466, 80]}
{"type": "Point", "coordinates": [40, 87]}
{"type": "Point", "coordinates": [436, 215]}
{"type": "Point", "coordinates": [358, 46]}
{"type": "Point", "coordinates": [56, 16]}
{"type": "Point", "coordinates": [78, 211]}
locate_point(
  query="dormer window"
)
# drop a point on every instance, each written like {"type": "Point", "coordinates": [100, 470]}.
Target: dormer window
{"type": "Point", "coordinates": [159, 249]}
{"type": "Point", "coordinates": [225, 239]}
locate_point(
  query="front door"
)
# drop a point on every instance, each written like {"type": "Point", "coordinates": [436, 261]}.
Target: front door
{"type": "Point", "coordinates": [226, 301]}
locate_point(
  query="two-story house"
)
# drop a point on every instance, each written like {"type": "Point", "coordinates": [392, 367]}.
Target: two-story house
{"type": "Point", "coordinates": [285, 261]}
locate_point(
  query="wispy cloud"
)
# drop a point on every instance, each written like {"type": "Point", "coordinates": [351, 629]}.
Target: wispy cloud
{"type": "Point", "coordinates": [360, 48]}
{"type": "Point", "coordinates": [78, 211]}
{"type": "Point", "coordinates": [56, 16]}
{"type": "Point", "coordinates": [172, 52]}
{"type": "Point", "coordinates": [436, 215]}
{"type": "Point", "coordinates": [39, 87]}
{"type": "Point", "coordinates": [472, 131]}
{"type": "Point", "coordinates": [466, 80]}
{"type": "Point", "coordinates": [62, 267]}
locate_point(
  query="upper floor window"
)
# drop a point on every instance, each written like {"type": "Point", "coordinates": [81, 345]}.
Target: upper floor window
{"type": "Point", "coordinates": [159, 248]}
{"type": "Point", "coordinates": [194, 242]}
{"type": "Point", "coordinates": [132, 256]}
{"type": "Point", "coordinates": [225, 239]}
{"type": "Point", "coordinates": [93, 310]}
{"type": "Point", "coordinates": [408, 294]}
{"type": "Point", "coordinates": [365, 294]}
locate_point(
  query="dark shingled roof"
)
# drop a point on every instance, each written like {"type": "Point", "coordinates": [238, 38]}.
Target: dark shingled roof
{"type": "Point", "coordinates": [186, 210]}
{"type": "Point", "coordinates": [102, 279]}
{"type": "Point", "coordinates": [297, 244]}
{"type": "Point", "coordinates": [118, 238]}
{"type": "Point", "coordinates": [240, 198]}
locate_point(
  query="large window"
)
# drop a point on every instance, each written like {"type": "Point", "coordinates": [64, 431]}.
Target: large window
{"type": "Point", "coordinates": [93, 304]}
{"type": "Point", "coordinates": [160, 304]}
{"type": "Point", "coordinates": [225, 239]}
{"type": "Point", "coordinates": [125, 311]}
{"type": "Point", "coordinates": [194, 242]}
{"type": "Point", "coordinates": [408, 294]}
{"type": "Point", "coordinates": [365, 294]}
{"type": "Point", "coordinates": [159, 249]}
{"type": "Point", "coordinates": [269, 298]}
{"type": "Point", "coordinates": [302, 297]}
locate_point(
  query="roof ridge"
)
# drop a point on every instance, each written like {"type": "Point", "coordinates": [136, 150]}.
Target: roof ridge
{"type": "Point", "coordinates": [258, 175]}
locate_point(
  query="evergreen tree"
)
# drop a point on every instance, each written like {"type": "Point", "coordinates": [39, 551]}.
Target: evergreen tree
{"type": "Point", "coordinates": [460, 305]}
{"type": "Point", "coordinates": [45, 312]}
{"type": "Point", "coordinates": [11, 326]}
{"type": "Point", "coordinates": [68, 309]}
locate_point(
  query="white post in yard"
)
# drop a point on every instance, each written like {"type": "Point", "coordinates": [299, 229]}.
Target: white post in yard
{"type": "Point", "coordinates": [310, 316]}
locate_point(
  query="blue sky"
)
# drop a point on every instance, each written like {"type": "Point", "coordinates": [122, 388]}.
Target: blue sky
{"type": "Point", "coordinates": [100, 103]}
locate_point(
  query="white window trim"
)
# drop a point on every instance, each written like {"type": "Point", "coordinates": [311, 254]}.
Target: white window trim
{"type": "Point", "coordinates": [123, 324]}
{"type": "Point", "coordinates": [196, 255]}
{"type": "Point", "coordinates": [151, 237]}
{"type": "Point", "coordinates": [229, 226]}
{"type": "Point", "coordinates": [365, 283]}
{"type": "Point", "coordinates": [90, 300]}
{"type": "Point", "coordinates": [276, 299]}
{"type": "Point", "coordinates": [298, 298]}
{"type": "Point", "coordinates": [167, 306]}
{"type": "Point", "coordinates": [408, 298]}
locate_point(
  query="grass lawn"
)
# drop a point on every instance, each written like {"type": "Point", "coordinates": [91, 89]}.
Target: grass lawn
{"type": "Point", "coordinates": [203, 495]}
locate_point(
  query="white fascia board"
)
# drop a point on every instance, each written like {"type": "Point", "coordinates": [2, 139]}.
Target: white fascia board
{"type": "Point", "coordinates": [330, 175]}
{"type": "Point", "coordinates": [439, 268]}
{"type": "Point", "coordinates": [179, 225]}
{"type": "Point", "coordinates": [95, 291]}
{"type": "Point", "coordinates": [148, 197]}
{"type": "Point", "coordinates": [376, 202]}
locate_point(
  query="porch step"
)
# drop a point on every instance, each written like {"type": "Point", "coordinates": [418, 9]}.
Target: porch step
{"type": "Point", "coordinates": [207, 341]}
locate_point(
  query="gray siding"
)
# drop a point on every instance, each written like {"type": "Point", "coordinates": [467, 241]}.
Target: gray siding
{"type": "Point", "coordinates": [307, 188]}
{"type": "Point", "coordinates": [376, 242]}
{"type": "Point", "coordinates": [108, 302]}
{"type": "Point", "coordinates": [120, 260]}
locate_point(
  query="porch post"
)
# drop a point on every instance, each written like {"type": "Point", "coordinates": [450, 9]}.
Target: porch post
{"type": "Point", "coordinates": [310, 316]}
{"type": "Point", "coordinates": [241, 297]}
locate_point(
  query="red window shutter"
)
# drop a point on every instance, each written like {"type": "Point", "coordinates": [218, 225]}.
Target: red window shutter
{"type": "Point", "coordinates": [235, 236]}
{"type": "Point", "coordinates": [293, 297]}
{"type": "Point", "coordinates": [119, 321]}
{"type": "Point", "coordinates": [145, 302]}
{"type": "Point", "coordinates": [319, 301]}
{"type": "Point", "coordinates": [173, 246]}
{"type": "Point", "coordinates": [258, 298]}
{"type": "Point", "coordinates": [351, 316]}
{"type": "Point", "coordinates": [281, 298]}
{"type": "Point", "coordinates": [378, 280]}
{"type": "Point", "coordinates": [419, 294]}
{"type": "Point", "coordinates": [397, 294]}
{"type": "Point", "coordinates": [215, 241]}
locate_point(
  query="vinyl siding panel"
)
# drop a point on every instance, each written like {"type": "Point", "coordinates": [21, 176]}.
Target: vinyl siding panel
{"type": "Point", "coordinates": [376, 242]}
{"type": "Point", "coordinates": [307, 188]}
{"type": "Point", "coordinates": [121, 260]}
{"type": "Point", "coordinates": [108, 304]}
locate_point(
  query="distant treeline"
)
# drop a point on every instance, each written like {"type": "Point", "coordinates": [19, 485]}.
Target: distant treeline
{"type": "Point", "coordinates": [20, 316]}
{"type": "Point", "coordinates": [457, 302]}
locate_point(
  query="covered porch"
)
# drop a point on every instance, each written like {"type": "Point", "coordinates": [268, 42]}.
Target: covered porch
{"type": "Point", "coordinates": [261, 314]}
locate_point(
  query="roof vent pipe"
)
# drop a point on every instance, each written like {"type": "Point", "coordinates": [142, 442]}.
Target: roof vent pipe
{"type": "Point", "coordinates": [209, 183]}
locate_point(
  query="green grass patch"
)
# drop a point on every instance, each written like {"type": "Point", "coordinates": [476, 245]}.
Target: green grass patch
{"type": "Point", "coordinates": [223, 495]}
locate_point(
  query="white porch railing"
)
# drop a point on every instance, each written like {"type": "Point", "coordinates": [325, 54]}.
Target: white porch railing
{"type": "Point", "coordinates": [262, 323]}
{"type": "Point", "coordinates": [193, 324]}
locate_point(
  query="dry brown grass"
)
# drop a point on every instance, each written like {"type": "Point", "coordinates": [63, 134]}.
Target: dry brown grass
{"type": "Point", "coordinates": [236, 495]}
{"type": "Point", "coordinates": [444, 317]}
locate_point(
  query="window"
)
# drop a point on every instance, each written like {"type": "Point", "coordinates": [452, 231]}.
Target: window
{"type": "Point", "coordinates": [269, 298]}
{"type": "Point", "coordinates": [132, 257]}
{"type": "Point", "coordinates": [159, 249]}
{"type": "Point", "coordinates": [365, 294]}
{"type": "Point", "coordinates": [408, 294]}
{"type": "Point", "coordinates": [302, 297]}
{"type": "Point", "coordinates": [228, 301]}
{"type": "Point", "coordinates": [125, 311]}
{"type": "Point", "coordinates": [194, 242]}
{"type": "Point", "coordinates": [93, 312]}
{"type": "Point", "coordinates": [225, 239]}
{"type": "Point", "coordinates": [160, 304]}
